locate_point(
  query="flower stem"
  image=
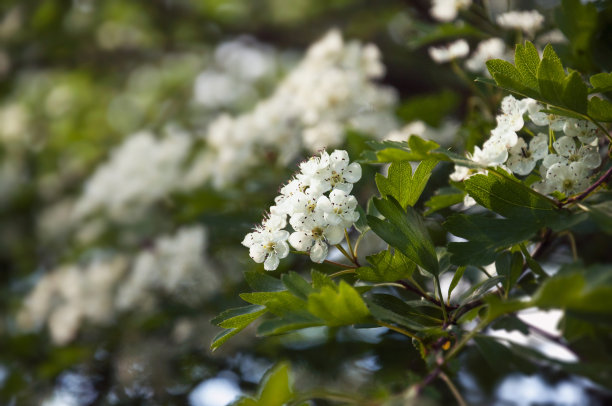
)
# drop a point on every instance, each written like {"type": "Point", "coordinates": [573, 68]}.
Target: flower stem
{"type": "Point", "coordinates": [453, 389]}
{"type": "Point", "coordinates": [344, 272]}
{"type": "Point", "coordinates": [346, 254]}
{"type": "Point", "coordinates": [399, 330]}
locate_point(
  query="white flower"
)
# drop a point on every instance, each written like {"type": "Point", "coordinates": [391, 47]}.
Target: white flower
{"type": "Point", "coordinates": [586, 131]}
{"type": "Point", "coordinates": [461, 173]}
{"type": "Point", "coordinates": [522, 160]}
{"type": "Point", "coordinates": [541, 118]}
{"type": "Point", "coordinates": [567, 178]}
{"type": "Point", "coordinates": [446, 10]}
{"type": "Point", "coordinates": [313, 235]}
{"type": "Point", "coordinates": [455, 50]}
{"type": "Point", "coordinates": [527, 21]}
{"type": "Point", "coordinates": [339, 208]}
{"type": "Point", "coordinates": [267, 247]}
{"type": "Point", "coordinates": [335, 171]}
{"type": "Point", "coordinates": [565, 147]}
{"type": "Point", "coordinates": [492, 48]}
{"type": "Point", "coordinates": [512, 117]}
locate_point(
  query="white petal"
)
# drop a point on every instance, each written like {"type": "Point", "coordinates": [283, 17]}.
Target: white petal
{"type": "Point", "coordinates": [590, 157]}
{"type": "Point", "coordinates": [301, 240]}
{"type": "Point", "coordinates": [334, 234]}
{"type": "Point", "coordinates": [318, 253]}
{"type": "Point", "coordinates": [565, 146]}
{"type": "Point", "coordinates": [258, 253]}
{"type": "Point", "coordinates": [352, 173]}
{"type": "Point", "coordinates": [324, 204]}
{"type": "Point", "coordinates": [271, 262]}
{"type": "Point", "coordinates": [281, 249]}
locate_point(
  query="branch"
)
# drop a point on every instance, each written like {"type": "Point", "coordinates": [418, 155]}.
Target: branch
{"type": "Point", "coordinates": [587, 192]}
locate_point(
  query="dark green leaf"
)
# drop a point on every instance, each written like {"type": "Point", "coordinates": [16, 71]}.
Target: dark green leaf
{"type": "Point", "coordinates": [485, 236]}
{"type": "Point", "coordinates": [263, 283]}
{"type": "Point", "coordinates": [297, 285]}
{"type": "Point", "coordinates": [390, 309]}
{"type": "Point", "coordinates": [386, 267]}
{"type": "Point", "coordinates": [601, 214]}
{"type": "Point", "coordinates": [406, 232]}
{"type": "Point", "coordinates": [456, 278]}
{"type": "Point", "coordinates": [599, 109]}
{"type": "Point", "coordinates": [279, 303]}
{"type": "Point", "coordinates": [575, 93]}
{"type": "Point", "coordinates": [289, 322]}
{"type": "Point", "coordinates": [444, 199]}
{"type": "Point", "coordinates": [509, 265]}
{"type": "Point", "coordinates": [361, 224]}
{"type": "Point", "coordinates": [551, 76]}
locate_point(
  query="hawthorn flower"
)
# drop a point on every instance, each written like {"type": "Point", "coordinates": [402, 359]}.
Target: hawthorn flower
{"type": "Point", "coordinates": [267, 246]}
{"type": "Point", "coordinates": [338, 173]}
{"type": "Point", "coordinates": [317, 219]}
{"type": "Point", "coordinates": [523, 158]}
{"type": "Point", "coordinates": [454, 50]}
{"type": "Point", "coordinates": [314, 234]}
{"type": "Point", "coordinates": [512, 117]}
{"type": "Point", "coordinates": [568, 178]}
{"type": "Point", "coordinates": [527, 21]}
{"type": "Point", "coordinates": [446, 10]}
{"type": "Point", "coordinates": [339, 208]}
{"type": "Point", "coordinates": [584, 130]}
{"type": "Point", "coordinates": [555, 122]}
{"type": "Point", "coordinates": [493, 48]}
{"type": "Point", "coordinates": [567, 153]}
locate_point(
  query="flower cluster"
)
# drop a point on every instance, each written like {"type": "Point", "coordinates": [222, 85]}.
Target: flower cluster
{"type": "Point", "coordinates": [319, 206]}
{"type": "Point", "coordinates": [330, 89]}
{"type": "Point", "coordinates": [567, 150]}
{"type": "Point", "coordinates": [71, 295]}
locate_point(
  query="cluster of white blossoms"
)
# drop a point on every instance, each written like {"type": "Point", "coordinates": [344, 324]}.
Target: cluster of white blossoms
{"type": "Point", "coordinates": [66, 297]}
{"type": "Point", "coordinates": [455, 50]}
{"type": "Point", "coordinates": [239, 67]}
{"type": "Point", "coordinates": [330, 90]}
{"type": "Point", "coordinates": [139, 172]}
{"type": "Point", "coordinates": [567, 150]}
{"type": "Point", "coordinates": [446, 10]}
{"type": "Point", "coordinates": [527, 21]}
{"type": "Point", "coordinates": [319, 206]}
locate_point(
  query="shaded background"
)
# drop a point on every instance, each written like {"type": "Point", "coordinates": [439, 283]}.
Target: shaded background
{"type": "Point", "coordinates": [77, 78]}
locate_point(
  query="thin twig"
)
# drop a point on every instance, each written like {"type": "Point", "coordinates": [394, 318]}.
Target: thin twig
{"type": "Point", "coordinates": [344, 272]}
{"type": "Point", "coordinates": [587, 192]}
{"type": "Point", "coordinates": [453, 389]}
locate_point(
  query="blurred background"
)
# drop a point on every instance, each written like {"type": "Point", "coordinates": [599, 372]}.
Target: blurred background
{"type": "Point", "coordinates": [141, 140]}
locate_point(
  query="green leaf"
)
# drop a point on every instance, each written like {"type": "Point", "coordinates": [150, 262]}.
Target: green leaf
{"type": "Point", "coordinates": [340, 307]}
{"type": "Point", "coordinates": [235, 320]}
{"type": "Point", "coordinates": [497, 307]}
{"type": "Point", "coordinates": [456, 278]}
{"type": "Point", "coordinates": [406, 232]}
{"type": "Point", "coordinates": [599, 109]}
{"type": "Point", "coordinates": [320, 280]}
{"type": "Point", "coordinates": [480, 289]}
{"type": "Point", "coordinates": [274, 390]}
{"type": "Point", "coordinates": [391, 309]}
{"type": "Point", "coordinates": [264, 283]}
{"type": "Point", "coordinates": [289, 322]}
{"type": "Point", "coordinates": [550, 76]}
{"type": "Point", "coordinates": [575, 93]}
{"type": "Point", "coordinates": [579, 22]}
{"type": "Point", "coordinates": [507, 76]}
{"type": "Point", "coordinates": [297, 285]}
{"type": "Point", "coordinates": [509, 197]}
{"type": "Point", "coordinates": [527, 60]}
{"type": "Point", "coordinates": [601, 82]}
{"type": "Point", "coordinates": [386, 267]}
{"type": "Point", "coordinates": [509, 265]}
{"type": "Point", "coordinates": [278, 303]}
{"type": "Point", "coordinates": [444, 198]}
{"type": "Point", "coordinates": [402, 185]}
{"type": "Point", "coordinates": [572, 291]}
{"type": "Point", "coordinates": [485, 236]}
